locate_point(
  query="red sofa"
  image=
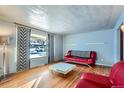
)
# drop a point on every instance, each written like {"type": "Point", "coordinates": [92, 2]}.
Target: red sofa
{"type": "Point", "coordinates": [80, 60]}
{"type": "Point", "coordinates": [114, 80]}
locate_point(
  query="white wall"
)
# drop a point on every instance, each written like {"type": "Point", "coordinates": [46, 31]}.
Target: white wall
{"type": "Point", "coordinates": [8, 29]}
{"type": "Point", "coordinates": [58, 47]}
{"type": "Point", "coordinates": [100, 41]}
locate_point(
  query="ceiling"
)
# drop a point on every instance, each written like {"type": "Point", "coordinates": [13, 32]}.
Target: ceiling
{"type": "Point", "coordinates": [63, 19]}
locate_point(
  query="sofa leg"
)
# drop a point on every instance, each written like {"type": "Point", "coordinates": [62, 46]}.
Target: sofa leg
{"type": "Point", "coordinates": [89, 66]}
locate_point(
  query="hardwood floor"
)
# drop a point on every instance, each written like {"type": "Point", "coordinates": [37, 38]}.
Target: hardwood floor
{"type": "Point", "coordinates": [41, 77]}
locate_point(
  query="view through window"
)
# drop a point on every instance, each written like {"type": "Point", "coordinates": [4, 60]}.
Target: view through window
{"type": "Point", "coordinates": [38, 46]}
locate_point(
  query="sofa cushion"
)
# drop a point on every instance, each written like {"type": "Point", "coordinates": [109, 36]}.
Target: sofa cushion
{"type": "Point", "coordinates": [82, 54]}
{"type": "Point", "coordinates": [103, 80]}
{"type": "Point", "coordinates": [88, 84]}
{"type": "Point", "coordinates": [89, 80]}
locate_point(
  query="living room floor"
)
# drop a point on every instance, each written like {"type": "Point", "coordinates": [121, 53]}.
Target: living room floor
{"type": "Point", "coordinates": [42, 77]}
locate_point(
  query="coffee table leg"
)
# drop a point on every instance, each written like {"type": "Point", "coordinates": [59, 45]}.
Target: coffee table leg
{"type": "Point", "coordinates": [52, 71]}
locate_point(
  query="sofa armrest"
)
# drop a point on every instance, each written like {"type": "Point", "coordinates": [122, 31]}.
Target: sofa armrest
{"type": "Point", "coordinates": [104, 80]}
{"type": "Point", "coordinates": [68, 54]}
{"type": "Point", "coordinates": [93, 55]}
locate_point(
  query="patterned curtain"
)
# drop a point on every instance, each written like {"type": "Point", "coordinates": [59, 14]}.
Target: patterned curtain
{"type": "Point", "coordinates": [23, 48]}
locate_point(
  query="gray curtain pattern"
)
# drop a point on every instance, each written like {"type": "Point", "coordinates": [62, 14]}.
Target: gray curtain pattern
{"type": "Point", "coordinates": [23, 48]}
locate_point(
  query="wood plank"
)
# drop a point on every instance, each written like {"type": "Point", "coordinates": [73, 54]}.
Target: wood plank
{"type": "Point", "coordinates": [41, 77]}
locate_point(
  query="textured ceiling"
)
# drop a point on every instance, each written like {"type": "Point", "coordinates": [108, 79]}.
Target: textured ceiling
{"type": "Point", "coordinates": [64, 19]}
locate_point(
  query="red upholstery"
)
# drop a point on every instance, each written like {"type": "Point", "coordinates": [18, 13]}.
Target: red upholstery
{"type": "Point", "coordinates": [117, 74]}
{"type": "Point", "coordinates": [79, 60]}
{"type": "Point", "coordinates": [117, 86]}
{"type": "Point", "coordinates": [114, 80]}
{"type": "Point", "coordinates": [88, 84]}
{"type": "Point", "coordinates": [103, 80]}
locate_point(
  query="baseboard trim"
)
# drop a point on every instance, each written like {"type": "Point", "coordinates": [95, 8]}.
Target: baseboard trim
{"type": "Point", "coordinates": [58, 60]}
{"type": "Point", "coordinates": [106, 65]}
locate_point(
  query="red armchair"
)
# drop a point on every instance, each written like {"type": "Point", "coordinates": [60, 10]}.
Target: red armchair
{"type": "Point", "coordinates": [114, 80]}
{"type": "Point", "coordinates": [80, 60]}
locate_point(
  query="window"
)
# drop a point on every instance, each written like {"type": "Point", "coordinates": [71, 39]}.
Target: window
{"type": "Point", "coordinates": [38, 46]}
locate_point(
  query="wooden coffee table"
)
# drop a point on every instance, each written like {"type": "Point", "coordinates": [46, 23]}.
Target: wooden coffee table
{"type": "Point", "coordinates": [63, 68]}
